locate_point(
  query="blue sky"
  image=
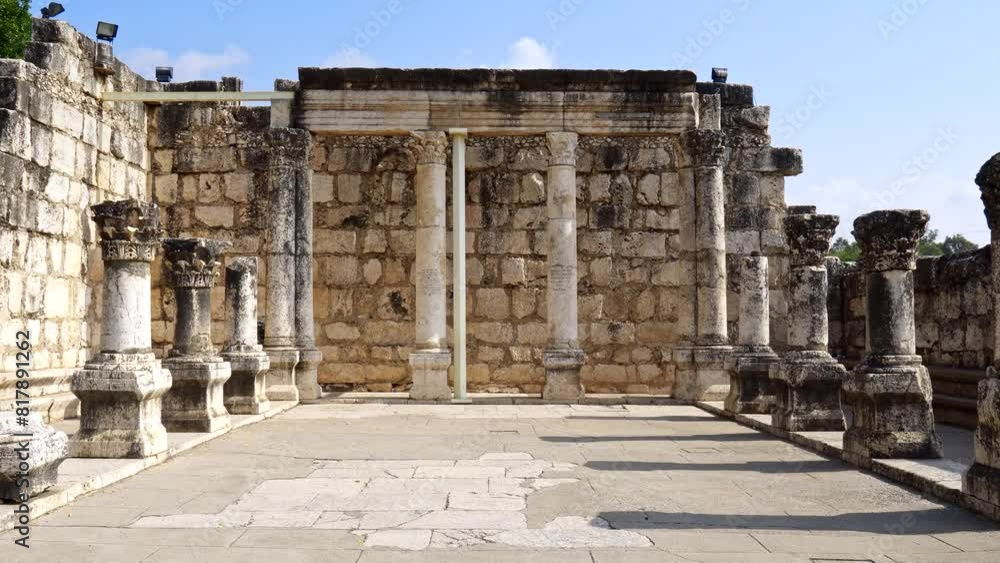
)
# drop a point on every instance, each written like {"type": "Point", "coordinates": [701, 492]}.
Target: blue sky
{"type": "Point", "coordinates": [892, 101]}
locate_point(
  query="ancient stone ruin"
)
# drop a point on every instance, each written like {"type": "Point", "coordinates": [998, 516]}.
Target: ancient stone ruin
{"type": "Point", "coordinates": [626, 233]}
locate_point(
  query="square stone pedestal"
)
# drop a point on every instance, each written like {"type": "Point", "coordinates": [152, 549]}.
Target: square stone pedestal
{"type": "Point", "coordinates": [562, 375]}
{"type": "Point", "coordinates": [750, 382]}
{"type": "Point", "coordinates": [195, 401]}
{"type": "Point", "coordinates": [893, 416]}
{"type": "Point", "coordinates": [429, 370]}
{"type": "Point", "coordinates": [244, 392]}
{"type": "Point", "coordinates": [982, 481]}
{"type": "Point", "coordinates": [43, 447]}
{"type": "Point", "coordinates": [281, 374]}
{"type": "Point", "coordinates": [120, 401]}
{"type": "Point", "coordinates": [702, 373]}
{"type": "Point", "coordinates": [307, 374]}
{"type": "Point", "coordinates": [806, 388]}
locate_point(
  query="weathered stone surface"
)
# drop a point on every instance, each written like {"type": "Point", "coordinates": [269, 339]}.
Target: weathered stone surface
{"type": "Point", "coordinates": [44, 449]}
{"type": "Point", "coordinates": [244, 392]}
{"type": "Point", "coordinates": [890, 390]}
{"type": "Point", "coordinates": [749, 381]}
{"type": "Point", "coordinates": [983, 478]}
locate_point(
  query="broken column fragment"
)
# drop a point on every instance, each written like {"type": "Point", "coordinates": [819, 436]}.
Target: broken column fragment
{"type": "Point", "coordinates": [244, 392]}
{"type": "Point", "coordinates": [749, 382]}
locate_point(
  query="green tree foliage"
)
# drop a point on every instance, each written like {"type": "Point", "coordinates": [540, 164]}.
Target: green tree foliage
{"type": "Point", "coordinates": [15, 28]}
{"type": "Point", "coordinates": [928, 246]}
{"type": "Point", "coordinates": [956, 244]}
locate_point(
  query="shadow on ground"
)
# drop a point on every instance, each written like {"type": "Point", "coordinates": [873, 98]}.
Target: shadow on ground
{"type": "Point", "coordinates": [812, 466]}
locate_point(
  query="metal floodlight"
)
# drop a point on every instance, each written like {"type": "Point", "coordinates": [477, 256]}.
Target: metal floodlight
{"type": "Point", "coordinates": [52, 10]}
{"type": "Point", "coordinates": [107, 31]}
{"type": "Point", "coordinates": [720, 75]}
{"type": "Point", "coordinates": [164, 74]}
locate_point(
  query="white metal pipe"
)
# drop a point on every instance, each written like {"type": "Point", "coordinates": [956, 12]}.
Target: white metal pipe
{"type": "Point", "coordinates": [458, 259]}
{"type": "Point", "coordinates": [195, 97]}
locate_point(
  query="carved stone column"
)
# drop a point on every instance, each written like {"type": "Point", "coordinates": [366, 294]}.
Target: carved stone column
{"type": "Point", "coordinates": [194, 403]}
{"type": "Point", "coordinates": [749, 383]}
{"type": "Point", "coordinates": [430, 360]}
{"type": "Point", "coordinates": [982, 481]}
{"type": "Point", "coordinates": [279, 326]}
{"type": "Point", "coordinates": [890, 389]}
{"type": "Point", "coordinates": [807, 380]}
{"type": "Point", "coordinates": [307, 370]}
{"type": "Point", "coordinates": [244, 393]}
{"type": "Point", "coordinates": [562, 357]}
{"type": "Point", "coordinates": [122, 387]}
{"type": "Point", "coordinates": [702, 373]}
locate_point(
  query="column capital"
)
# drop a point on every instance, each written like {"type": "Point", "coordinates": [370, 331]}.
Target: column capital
{"type": "Point", "coordinates": [809, 237]}
{"type": "Point", "coordinates": [562, 148]}
{"type": "Point", "coordinates": [432, 146]}
{"type": "Point", "coordinates": [988, 181]}
{"type": "Point", "coordinates": [288, 147]}
{"type": "Point", "coordinates": [888, 239]}
{"type": "Point", "coordinates": [129, 229]}
{"type": "Point", "coordinates": [703, 147]}
{"type": "Point", "coordinates": [193, 262]}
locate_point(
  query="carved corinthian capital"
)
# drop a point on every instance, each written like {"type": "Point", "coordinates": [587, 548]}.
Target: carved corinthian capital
{"type": "Point", "coordinates": [809, 237]}
{"type": "Point", "coordinates": [129, 229]}
{"type": "Point", "coordinates": [988, 181]}
{"type": "Point", "coordinates": [193, 262]}
{"type": "Point", "coordinates": [703, 147]}
{"type": "Point", "coordinates": [432, 147]}
{"type": "Point", "coordinates": [562, 148]}
{"type": "Point", "coordinates": [888, 239]}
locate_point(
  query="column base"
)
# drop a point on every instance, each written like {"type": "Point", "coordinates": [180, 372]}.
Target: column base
{"type": "Point", "coordinates": [121, 397]}
{"type": "Point", "coordinates": [429, 371]}
{"type": "Point", "coordinates": [702, 373]}
{"type": "Point", "coordinates": [562, 375]}
{"type": "Point", "coordinates": [807, 392]}
{"type": "Point", "coordinates": [281, 375]}
{"type": "Point", "coordinates": [983, 482]}
{"type": "Point", "coordinates": [307, 374]}
{"type": "Point", "coordinates": [195, 402]}
{"type": "Point", "coordinates": [46, 451]}
{"type": "Point", "coordinates": [244, 393]}
{"type": "Point", "coordinates": [893, 416]}
{"type": "Point", "coordinates": [749, 380]}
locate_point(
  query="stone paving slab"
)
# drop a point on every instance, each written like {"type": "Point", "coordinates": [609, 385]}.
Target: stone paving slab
{"type": "Point", "coordinates": [588, 483]}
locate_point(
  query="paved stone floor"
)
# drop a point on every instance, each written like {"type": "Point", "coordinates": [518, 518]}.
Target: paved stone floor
{"type": "Point", "coordinates": [409, 483]}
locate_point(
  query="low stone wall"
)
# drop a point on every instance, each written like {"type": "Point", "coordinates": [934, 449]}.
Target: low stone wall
{"type": "Point", "coordinates": [61, 150]}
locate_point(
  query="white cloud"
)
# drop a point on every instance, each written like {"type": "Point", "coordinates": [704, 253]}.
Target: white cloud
{"type": "Point", "coordinates": [348, 57]}
{"type": "Point", "coordinates": [953, 203]}
{"type": "Point", "coordinates": [527, 53]}
{"type": "Point", "coordinates": [189, 65]}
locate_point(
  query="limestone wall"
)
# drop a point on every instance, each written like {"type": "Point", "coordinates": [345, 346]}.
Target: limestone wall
{"type": "Point", "coordinates": [61, 150]}
{"type": "Point", "coordinates": [953, 309]}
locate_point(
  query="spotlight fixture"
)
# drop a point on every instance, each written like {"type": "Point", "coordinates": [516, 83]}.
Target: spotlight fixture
{"type": "Point", "coordinates": [720, 75]}
{"type": "Point", "coordinates": [107, 31]}
{"type": "Point", "coordinates": [52, 10]}
{"type": "Point", "coordinates": [164, 74]}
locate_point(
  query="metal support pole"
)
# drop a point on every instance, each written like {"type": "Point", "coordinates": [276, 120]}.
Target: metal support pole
{"type": "Point", "coordinates": [458, 259]}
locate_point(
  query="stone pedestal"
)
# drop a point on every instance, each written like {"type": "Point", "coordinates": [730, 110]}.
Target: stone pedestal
{"type": "Point", "coordinates": [244, 393]}
{"type": "Point", "coordinates": [122, 387]}
{"type": "Point", "coordinates": [702, 373]}
{"type": "Point", "coordinates": [280, 378]}
{"type": "Point", "coordinates": [41, 447]}
{"type": "Point", "coordinates": [562, 357]}
{"type": "Point", "coordinates": [807, 380]}
{"type": "Point", "coordinates": [982, 481]}
{"type": "Point", "coordinates": [890, 390]}
{"type": "Point", "coordinates": [749, 381]}
{"type": "Point", "coordinates": [430, 361]}
{"type": "Point", "coordinates": [195, 402]}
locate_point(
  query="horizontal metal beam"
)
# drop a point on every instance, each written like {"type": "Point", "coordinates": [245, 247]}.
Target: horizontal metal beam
{"type": "Point", "coordinates": [195, 97]}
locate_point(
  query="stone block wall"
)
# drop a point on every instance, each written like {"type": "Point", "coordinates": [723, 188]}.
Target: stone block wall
{"type": "Point", "coordinates": [61, 150]}
{"type": "Point", "coordinates": [209, 176]}
{"type": "Point", "coordinates": [953, 310]}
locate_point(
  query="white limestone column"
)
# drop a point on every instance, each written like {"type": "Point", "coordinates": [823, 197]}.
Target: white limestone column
{"type": "Point", "coordinates": [749, 381]}
{"type": "Point", "coordinates": [430, 360]}
{"type": "Point", "coordinates": [563, 356]}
